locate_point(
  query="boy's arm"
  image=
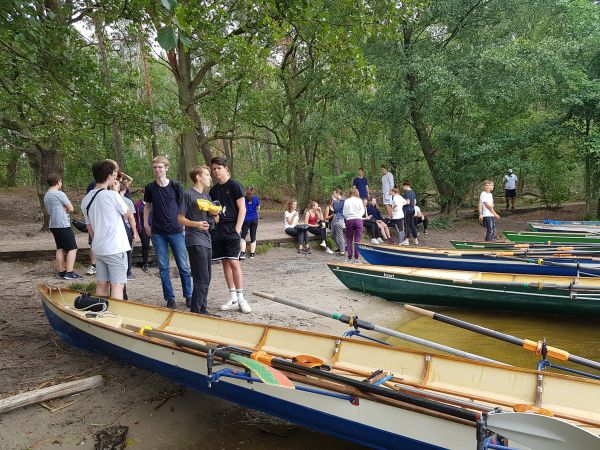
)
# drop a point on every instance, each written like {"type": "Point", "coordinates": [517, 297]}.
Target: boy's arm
{"type": "Point", "coordinates": [241, 204]}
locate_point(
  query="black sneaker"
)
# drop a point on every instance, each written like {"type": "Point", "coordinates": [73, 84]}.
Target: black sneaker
{"type": "Point", "coordinates": [308, 251]}
{"type": "Point", "coordinates": [188, 302]}
{"type": "Point", "coordinates": [72, 276]}
{"type": "Point", "coordinates": [61, 275]}
{"type": "Point", "coordinates": [242, 256]}
{"type": "Point", "coordinates": [252, 255]}
{"type": "Point", "coordinates": [171, 304]}
{"type": "Point", "coordinates": [145, 268]}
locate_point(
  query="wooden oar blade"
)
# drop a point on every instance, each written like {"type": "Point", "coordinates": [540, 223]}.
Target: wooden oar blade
{"type": "Point", "coordinates": [543, 432]}
{"type": "Point", "coordinates": [267, 374]}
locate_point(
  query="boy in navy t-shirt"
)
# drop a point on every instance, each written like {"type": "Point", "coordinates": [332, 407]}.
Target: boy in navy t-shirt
{"type": "Point", "coordinates": [361, 183]}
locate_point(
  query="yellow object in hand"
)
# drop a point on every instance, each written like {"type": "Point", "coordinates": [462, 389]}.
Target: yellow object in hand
{"type": "Point", "coordinates": [206, 205]}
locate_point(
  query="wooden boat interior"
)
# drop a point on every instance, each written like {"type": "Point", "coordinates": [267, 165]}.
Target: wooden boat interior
{"type": "Point", "coordinates": [569, 397]}
{"type": "Point", "coordinates": [465, 275]}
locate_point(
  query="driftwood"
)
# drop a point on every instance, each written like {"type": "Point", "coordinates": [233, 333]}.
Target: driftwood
{"type": "Point", "coordinates": [41, 395]}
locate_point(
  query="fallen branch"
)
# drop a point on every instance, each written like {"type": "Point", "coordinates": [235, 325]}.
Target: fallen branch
{"type": "Point", "coordinates": [41, 395]}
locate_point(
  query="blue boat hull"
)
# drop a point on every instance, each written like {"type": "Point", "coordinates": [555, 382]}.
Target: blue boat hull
{"type": "Point", "coordinates": [389, 256]}
{"type": "Point", "coordinates": [312, 418]}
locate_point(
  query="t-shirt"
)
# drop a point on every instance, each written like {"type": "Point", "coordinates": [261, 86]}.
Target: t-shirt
{"type": "Point", "coordinates": [131, 208]}
{"type": "Point", "coordinates": [486, 197]}
{"type": "Point", "coordinates": [374, 212]}
{"type": "Point", "coordinates": [227, 194]}
{"type": "Point", "coordinates": [165, 206]}
{"type": "Point", "coordinates": [55, 202]}
{"type": "Point", "coordinates": [510, 181]}
{"type": "Point", "coordinates": [252, 209]}
{"type": "Point", "coordinates": [361, 185]}
{"type": "Point", "coordinates": [417, 210]}
{"type": "Point", "coordinates": [293, 216]}
{"type": "Point", "coordinates": [105, 216]}
{"type": "Point", "coordinates": [411, 200]}
{"type": "Point", "coordinates": [397, 205]}
{"type": "Point", "coordinates": [387, 183]}
{"type": "Point", "coordinates": [189, 208]}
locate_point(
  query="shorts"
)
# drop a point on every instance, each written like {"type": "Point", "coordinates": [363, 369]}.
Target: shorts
{"type": "Point", "coordinates": [112, 268]}
{"type": "Point", "coordinates": [387, 199]}
{"type": "Point", "coordinates": [509, 193]}
{"type": "Point", "coordinates": [64, 238]}
{"type": "Point", "coordinates": [225, 242]}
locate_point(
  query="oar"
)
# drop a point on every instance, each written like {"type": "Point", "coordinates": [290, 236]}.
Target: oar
{"type": "Point", "coordinates": [353, 321]}
{"type": "Point", "coordinates": [541, 432]}
{"type": "Point", "coordinates": [278, 363]}
{"type": "Point", "coordinates": [532, 346]}
{"type": "Point", "coordinates": [266, 374]}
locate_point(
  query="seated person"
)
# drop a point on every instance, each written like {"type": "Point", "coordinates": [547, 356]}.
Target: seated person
{"type": "Point", "coordinates": [375, 213]}
{"type": "Point", "coordinates": [421, 218]}
{"type": "Point", "coordinates": [371, 226]}
{"type": "Point", "coordinates": [293, 228]}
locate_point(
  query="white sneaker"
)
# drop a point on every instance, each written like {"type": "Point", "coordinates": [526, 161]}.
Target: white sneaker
{"type": "Point", "coordinates": [405, 242]}
{"type": "Point", "coordinates": [416, 242]}
{"type": "Point", "coordinates": [380, 240]}
{"type": "Point", "coordinates": [243, 305]}
{"type": "Point", "coordinates": [374, 241]}
{"type": "Point", "coordinates": [231, 304]}
{"type": "Point", "coordinates": [323, 244]}
{"type": "Point", "coordinates": [328, 250]}
{"type": "Point", "coordinates": [91, 270]}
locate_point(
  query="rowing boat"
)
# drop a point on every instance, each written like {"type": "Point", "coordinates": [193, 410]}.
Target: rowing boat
{"type": "Point", "coordinates": [552, 238]}
{"type": "Point", "coordinates": [573, 222]}
{"type": "Point", "coordinates": [509, 245]}
{"type": "Point", "coordinates": [472, 289]}
{"type": "Point", "coordinates": [426, 401]}
{"type": "Point", "coordinates": [487, 261]}
{"type": "Point", "coordinates": [563, 227]}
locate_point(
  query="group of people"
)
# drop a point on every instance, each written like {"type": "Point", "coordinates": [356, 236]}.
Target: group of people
{"type": "Point", "coordinates": [346, 217]}
{"type": "Point", "coordinates": [214, 220]}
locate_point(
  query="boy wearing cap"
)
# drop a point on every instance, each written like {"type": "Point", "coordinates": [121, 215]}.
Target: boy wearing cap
{"type": "Point", "coordinates": [510, 188]}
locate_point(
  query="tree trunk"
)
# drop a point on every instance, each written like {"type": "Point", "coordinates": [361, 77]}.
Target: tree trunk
{"type": "Point", "coordinates": [12, 167]}
{"type": "Point", "coordinates": [117, 139]}
{"type": "Point", "coordinates": [148, 95]}
{"type": "Point", "coordinates": [45, 161]}
{"type": "Point", "coordinates": [268, 145]}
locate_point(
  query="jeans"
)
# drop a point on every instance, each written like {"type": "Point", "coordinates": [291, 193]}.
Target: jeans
{"type": "Point", "coordinates": [490, 228]}
{"type": "Point", "coordinates": [300, 234]}
{"type": "Point", "coordinates": [161, 244]}
{"type": "Point", "coordinates": [410, 225]}
{"type": "Point", "coordinates": [200, 262]}
{"type": "Point", "coordinates": [354, 228]}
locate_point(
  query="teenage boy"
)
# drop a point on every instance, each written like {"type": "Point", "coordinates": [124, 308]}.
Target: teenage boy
{"type": "Point", "coordinates": [58, 206]}
{"type": "Point", "coordinates": [387, 183]}
{"type": "Point", "coordinates": [510, 188]}
{"type": "Point", "coordinates": [488, 216]}
{"type": "Point", "coordinates": [104, 209]}
{"type": "Point", "coordinates": [196, 216]}
{"type": "Point", "coordinates": [361, 183]}
{"type": "Point", "coordinates": [162, 197]}
{"type": "Point", "coordinates": [226, 234]}
{"type": "Point", "coordinates": [409, 212]}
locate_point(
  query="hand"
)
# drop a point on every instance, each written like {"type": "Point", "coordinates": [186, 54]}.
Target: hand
{"type": "Point", "coordinates": [480, 217]}
{"type": "Point", "coordinates": [136, 237]}
{"type": "Point", "coordinates": [238, 230]}
{"type": "Point", "coordinates": [148, 230]}
{"type": "Point", "coordinates": [496, 216]}
{"type": "Point", "coordinates": [203, 225]}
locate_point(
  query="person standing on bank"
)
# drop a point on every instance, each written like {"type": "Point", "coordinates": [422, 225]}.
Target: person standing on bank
{"type": "Point", "coordinates": [226, 234]}
{"type": "Point", "coordinates": [197, 219]}
{"type": "Point", "coordinates": [510, 188]}
{"type": "Point", "coordinates": [354, 210]}
{"type": "Point", "coordinates": [162, 197]}
{"type": "Point", "coordinates": [387, 183]}
{"type": "Point", "coordinates": [59, 206]}
{"type": "Point", "coordinates": [361, 183]}
{"type": "Point", "coordinates": [488, 216]}
{"type": "Point", "coordinates": [250, 222]}
{"type": "Point", "coordinates": [104, 210]}
{"type": "Point", "coordinates": [409, 212]}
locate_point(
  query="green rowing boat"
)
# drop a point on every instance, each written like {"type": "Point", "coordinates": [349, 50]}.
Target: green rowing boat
{"type": "Point", "coordinates": [534, 293]}
{"type": "Point", "coordinates": [552, 238]}
{"type": "Point", "coordinates": [523, 246]}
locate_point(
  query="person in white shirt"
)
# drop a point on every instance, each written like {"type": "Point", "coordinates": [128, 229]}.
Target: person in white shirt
{"type": "Point", "coordinates": [488, 216]}
{"type": "Point", "coordinates": [292, 227]}
{"type": "Point", "coordinates": [354, 210]}
{"type": "Point", "coordinates": [103, 209]}
{"type": "Point", "coordinates": [398, 214]}
{"type": "Point", "coordinates": [510, 188]}
{"type": "Point", "coordinates": [387, 183]}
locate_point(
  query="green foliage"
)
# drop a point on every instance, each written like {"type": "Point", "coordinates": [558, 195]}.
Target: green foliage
{"type": "Point", "coordinates": [440, 223]}
{"type": "Point", "coordinates": [261, 249]}
{"type": "Point", "coordinates": [89, 288]}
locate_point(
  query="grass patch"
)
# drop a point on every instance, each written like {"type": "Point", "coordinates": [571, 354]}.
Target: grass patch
{"type": "Point", "coordinates": [90, 287]}
{"type": "Point", "coordinates": [441, 223]}
{"type": "Point", "coordinates": [261, 249]}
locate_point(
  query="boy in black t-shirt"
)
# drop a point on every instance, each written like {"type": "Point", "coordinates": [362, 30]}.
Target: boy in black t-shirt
{"type": "Point", "coordinates": [226, 234]}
